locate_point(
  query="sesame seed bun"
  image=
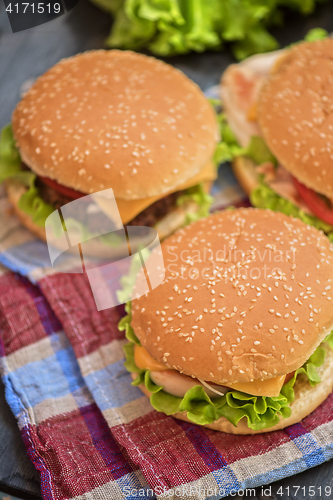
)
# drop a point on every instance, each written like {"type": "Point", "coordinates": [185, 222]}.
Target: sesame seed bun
{"type": "Point", "coordinates": [307, 399]}
{"type": "Point", "coordinates": [295, 113]}
{"type": "Point", "coordinates": [247, 295]}
{"type": "Point", "coordinates": [246, 173]}
{"type": "Point", "coordinates": [115, 119]}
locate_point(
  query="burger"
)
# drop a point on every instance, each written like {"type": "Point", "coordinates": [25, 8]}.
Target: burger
{"type": "Point", "coordinates": [111, 119]}
{"type": "Point", "coordinates": [280, 108]}
{"type": "Point", "coordinates": [238, 335]}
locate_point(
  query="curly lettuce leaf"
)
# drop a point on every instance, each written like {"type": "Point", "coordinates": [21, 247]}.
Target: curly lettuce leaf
{"type": "Point", "coordinates": [316, 34]}
{"type": "Point", "coordinates": [11, 168]}
{"type": "Point", "coordinates": [264, 197]}
{"type": "Point", "coordinates": [125, 325]}
{"type": "Point", "coordinates": [228, 148]}
{"type": "Point", "coordinates": [200, 197]}
{"type": "Point", "coordinates": [258, 151]}
{"type": "Point", "coordinates": [10, 161]}
{"type": "Point", "coordinates": [32, 204]}
{"type": "Point", "coordinates": [261, 412]}
{"type": "Point", "coordinates": [329, 339]}
{"type": "Point", "coordinates": [256, 41]}
{"type": "Point", "coordinates": [169, 27]}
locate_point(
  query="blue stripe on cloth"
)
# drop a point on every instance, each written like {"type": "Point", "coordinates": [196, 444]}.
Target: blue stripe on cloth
{"type": "Point", "coordinates": [294, 467]}
{"type": "Point", "coordinates": [26, 257]}
{"type": "Point", "coordinates": [69, 367]}
{"type": "Point", "coordinates": [222, 472]}
{"type": "Point", "coordinates": [206, 449]}
{"type": "Point", "coordinates": [38, 381]}
{"type": "Point", "coordinates": [50, 322]}
{"type": "Point", "coordinates": [134, 488]}
{"type": "Point", "coordinates": [60, 342]}
{"type": "Point", "coordinates": [52, 377]}
{"type": "Point", "coordinates": [226, 480]}
{"type": "Point", "coordinates": [327, 451]}
{"type": "Point", "coordinates": [312, 452]}
{"type": "Point", "coordinates": [109, 394]}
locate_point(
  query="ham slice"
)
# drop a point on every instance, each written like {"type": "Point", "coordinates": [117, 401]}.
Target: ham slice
{"type": "Point", "coordinates": [281, 182]}
{"type": "Point", "coordinates": [240, 88]}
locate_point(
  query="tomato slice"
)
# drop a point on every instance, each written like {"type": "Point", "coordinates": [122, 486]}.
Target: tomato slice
{"type": "Point", "coordinates": [315, 202]}
{"type": "Point", "coordinates": [289, 376]}
{"type": "Point", "coordinates": [66, 191]}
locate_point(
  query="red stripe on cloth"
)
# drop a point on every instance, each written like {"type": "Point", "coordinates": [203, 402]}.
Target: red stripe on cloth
{"type": "Point", "coordinates": [63, 445]}
{"type": "Point", "coordinates": [236, 447]}
{"type": "Point", "coordinates": [20, 322]}
{"type": "Point", "coordinates": [72, 301]}
{"type": "Point", "coordinates": [162, 450]}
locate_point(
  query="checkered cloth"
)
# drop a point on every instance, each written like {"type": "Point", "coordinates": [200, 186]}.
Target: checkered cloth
{"type": "Point", "coordinates": [92, 435]}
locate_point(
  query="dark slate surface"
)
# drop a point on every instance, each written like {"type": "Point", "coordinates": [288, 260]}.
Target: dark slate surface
{"type": "Point", "coordinates": [24, 56]}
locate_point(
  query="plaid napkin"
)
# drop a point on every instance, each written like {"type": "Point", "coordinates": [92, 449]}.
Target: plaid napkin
{"type": "Point", "coordinates": [92, 435]}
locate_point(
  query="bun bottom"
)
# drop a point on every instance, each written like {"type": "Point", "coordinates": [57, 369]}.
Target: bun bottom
{"type": "Point", "coordinates": [15, 189]}
{"type": "Point", "coordinates": [174, 220]}
{"type": "Point", "coordinates": [246, 173]}
{"type": "Point", "coordinates": [307, 399]}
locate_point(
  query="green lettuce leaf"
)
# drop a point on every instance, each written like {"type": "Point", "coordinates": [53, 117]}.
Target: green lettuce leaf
{"type": "Point", "coordinates": [32, 204]}
{"type": "Point", "coordinates": [11, 168]}
{"type": "Point", "coordinates": [329, 339]}
{"type": "Point", "coordinates": [316, 34]}
{"type": "Point", "coordinates": [256, 41]}
{"type": "Point", "coordinates": [228, 148]}
{"type": "Point", "coordinates": [264, 197]}
{"type": "Point", "coordinates": [261, 412]}
{"type": "Point", "coordinates": [258, 151]}
{"type": "Point", "coordinates": [125, 325]}
{"type": "Point", "coordinates": [10, 161]}
{"type": "Point", "coordinates": [169, 27]}
{"type": "Point", "coordinates": [203, 200]}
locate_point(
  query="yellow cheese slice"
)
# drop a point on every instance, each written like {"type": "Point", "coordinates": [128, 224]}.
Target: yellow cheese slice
{"type": "Point", "coordinates": [129, 209]}
{"type": "Point", "coordinates": [270, 387]}
{"type": "Point", "coordinates": [145, 361]}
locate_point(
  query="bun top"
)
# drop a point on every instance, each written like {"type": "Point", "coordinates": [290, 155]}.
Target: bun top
{"type": "Point", "coordinates": [115, 119]}
{"type": "Point", "coordinates": [247, 295]}
{"type": "Point", "coordinates": [295, 113]}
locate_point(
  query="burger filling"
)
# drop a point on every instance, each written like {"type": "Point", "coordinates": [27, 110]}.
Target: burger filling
{"type": "Point", "coordinates": [43, 195]}
{"type": "Point", "coordinates": [148, 217]}
{"type": "Point", "coordinates": [262, 403]}
{"type": "Point", "coordinates": [277, 189]}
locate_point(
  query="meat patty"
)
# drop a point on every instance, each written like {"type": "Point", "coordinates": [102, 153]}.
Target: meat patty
{"type": "Point", "coordinates": [148, 217]}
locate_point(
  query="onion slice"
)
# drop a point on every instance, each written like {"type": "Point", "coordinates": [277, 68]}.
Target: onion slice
{"type": "Point", "coordinates": [208, 386]}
